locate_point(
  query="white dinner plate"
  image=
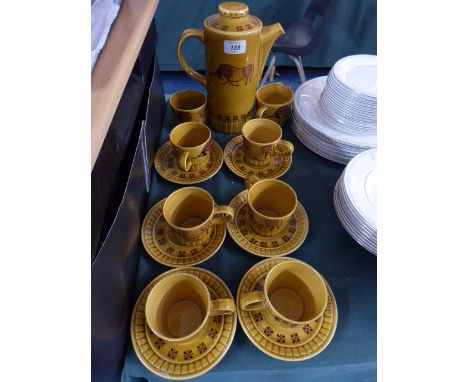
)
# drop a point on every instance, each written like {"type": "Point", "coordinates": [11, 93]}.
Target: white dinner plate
{"type": "Point", "coordinates": [366, 236]}
{"type": "Point", "coordinates": [360, 181]}
{"type": "Point", "coordinates": [332, 152]}
{"type": "Point", "coordinates": [358, 73]}
{"type": "Point", "coordinates": [353, 223]}
{"type": "Point", "coordinates": [348, 96]}
{"type": "Point", "coordinates": [305, 107]}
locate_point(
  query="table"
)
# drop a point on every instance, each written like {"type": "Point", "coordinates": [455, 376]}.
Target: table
{"type": "Point", "coordinates": [349, 269]}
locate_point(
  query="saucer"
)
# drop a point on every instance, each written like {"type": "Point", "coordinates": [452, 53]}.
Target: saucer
{"type": "Point", "coordinates": [234, 154]}
{"type": "Point", "coordinates": [192, 358]}
{"type": "Point", "coordinates": [285, 242]}
{"type": "Point", "coordinates": [162, 246]}
{"type": "Point", "coordinates": [287, 344]}
{"type": "Point", "coordinates": [165, 163]}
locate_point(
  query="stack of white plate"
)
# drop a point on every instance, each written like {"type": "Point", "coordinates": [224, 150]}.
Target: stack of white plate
{"type": "Point", "coordinates": [355, 199]}
{"type": "Point", "coordinates": [349, 99]}
{"type": "Point", "coordinates": [318, 134]}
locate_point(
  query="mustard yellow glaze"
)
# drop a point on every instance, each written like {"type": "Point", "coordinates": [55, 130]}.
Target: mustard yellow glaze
{"type": "Point", "coordinates": [236, 46]}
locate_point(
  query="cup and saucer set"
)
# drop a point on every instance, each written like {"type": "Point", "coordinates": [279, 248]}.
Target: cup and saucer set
{"type": "Point", "coordinates": [259, 150]}
{"type": "Point", "coordinates": [190, 155]}
{"type": "Point", "coordinates": [269, 220]}
{"type": "Point", "coordinates": [287, 309]}
{"type": "Point", "coordinates": [183, 323]}
{"type": "Point", "coordinates": [186, 228]}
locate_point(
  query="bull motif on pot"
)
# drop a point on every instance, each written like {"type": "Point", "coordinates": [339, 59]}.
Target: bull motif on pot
{"type": "Point", "coordinates": [232, 74]}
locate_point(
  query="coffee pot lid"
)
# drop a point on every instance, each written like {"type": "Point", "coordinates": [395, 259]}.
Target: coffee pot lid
{"type": "Point", "coordinates": [233, 16]}
{"type": "Point", "coordinates": [233, 9]}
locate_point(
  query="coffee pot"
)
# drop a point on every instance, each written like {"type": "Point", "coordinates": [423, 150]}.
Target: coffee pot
{"type": "Point", "coordinates": [236, 49]}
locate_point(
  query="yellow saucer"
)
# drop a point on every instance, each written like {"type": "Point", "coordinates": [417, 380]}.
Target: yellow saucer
{"type": "Point", "coordinates": [285, 242]}
{"type": "Point", "coordinates": [165, 163]}
{"type": "Point", "coordinates": [275, 340]}
{"type": "Point", "coordinates": [161, 245]}
{"type": "Point", "coordinates": [197, 356]}
{"type": "Point", "coordinates": [234, 154]}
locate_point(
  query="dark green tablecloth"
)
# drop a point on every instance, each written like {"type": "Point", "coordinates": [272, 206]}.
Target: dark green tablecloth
{"type": "Point", "coordinates": [349, 269]}
{"type": "Point", "coordinates": [352, 29]}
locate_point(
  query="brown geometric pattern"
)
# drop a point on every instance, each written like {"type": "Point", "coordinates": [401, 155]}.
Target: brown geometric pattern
{"type": "Point", "coordinates": [252, 23]}
{"type": "Point", "coordinates": [165, 163]}
{"type": "Point", "coordinates": [229, 124]}
{"type": "Point", "coordinates": [276, 348]}
{"type": "Point", "coordinates": [285, 242]}
{"type": "Point", "coordinates": [203, 359]}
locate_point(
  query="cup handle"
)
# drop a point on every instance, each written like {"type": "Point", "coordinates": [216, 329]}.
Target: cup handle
{"type": "Point", "coordinates": [285, 148]}
{"type": "Point", "coordinates": [251, 180]}
{"type": "Point", "coordinates": [226, 214]}
{"type": "Point", "coordinates": [183, 160]}
{"type": "Point", "coordinates": [222, 306]}
{"type": "Point", "coordinates": [253, 301]}
{"type": "Point", "coordinates": [260, 112]}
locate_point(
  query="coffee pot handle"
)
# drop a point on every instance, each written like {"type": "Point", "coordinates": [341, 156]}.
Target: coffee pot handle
{"type": "Point", "coordinates": [184, 36]}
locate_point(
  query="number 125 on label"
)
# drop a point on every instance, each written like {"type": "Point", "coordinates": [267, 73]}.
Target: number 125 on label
{"type": "Point", "coordinates": [234, 47]}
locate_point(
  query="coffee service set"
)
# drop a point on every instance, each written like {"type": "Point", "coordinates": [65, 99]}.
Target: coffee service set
{"type": "Point", "coordinates": [184, 321]}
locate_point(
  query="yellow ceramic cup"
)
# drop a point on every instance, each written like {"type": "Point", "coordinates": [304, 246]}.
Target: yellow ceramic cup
{"type": "Point", "coordinates": [188, 106]}
{"type": "Point", "coordinates": [260, 140]}
{"type": "Point", "coordinates": [178, 307]}
{"type": "Point", "coordinates": [293, 292]}
{"type": "Point", "coordinates": [274, 102]}
{"type": "Point", "coordinates": [191, 143]}
{"type": "Point", "coordinates": [271, 203]}
{"type": "Point", "coordinates": [191, 211]}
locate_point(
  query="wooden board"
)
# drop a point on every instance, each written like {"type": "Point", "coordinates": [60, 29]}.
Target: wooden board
{"type": "Point", "coordinates": [115, 64]}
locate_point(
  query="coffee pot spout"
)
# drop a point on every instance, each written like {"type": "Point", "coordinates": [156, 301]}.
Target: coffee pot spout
{"type": "Point", "coordinates": [268, 37]}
